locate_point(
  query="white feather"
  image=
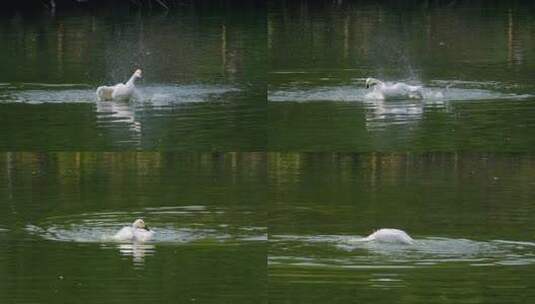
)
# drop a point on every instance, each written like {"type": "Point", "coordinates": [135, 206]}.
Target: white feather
{"type": "Point", "coordinates": [399, 90]}
{"type": "Point", "coordinates": [387, 235]}
{"type": "Point", "coordinates": [138, 232]}
{"type": "Point", "coordinates": [120, 91]}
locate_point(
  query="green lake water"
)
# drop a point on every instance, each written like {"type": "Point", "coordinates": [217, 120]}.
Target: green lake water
{"type": "Point", "coordinates": [207, 211]}
{"type": "Point", "coordinates": [474, 60]}
{"type": "Point", "coordinates": [260, 160]}
{"type": "Point", "coordinates": [203, 87]}
{"type": "Point", "coordinates": [272, 227]}
{"type": "Point", "coordinates": [471, 216]}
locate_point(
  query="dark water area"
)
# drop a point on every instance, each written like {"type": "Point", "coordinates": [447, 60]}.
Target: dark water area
{"type": "Point", "coordinates": [474, 61]}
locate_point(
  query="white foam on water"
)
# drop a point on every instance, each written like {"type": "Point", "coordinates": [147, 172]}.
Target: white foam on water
{"type": "Point", "coordinates": [176, 225]}
{"type": "Point", "coordinates": [155, 94]}
{"type": "Point", "coordinates": [346, 251]}
{"type": "Point", "coordinates": [437, 91]}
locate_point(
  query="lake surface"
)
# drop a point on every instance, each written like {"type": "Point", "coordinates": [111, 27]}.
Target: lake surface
{"type": "Point", "coordinates": [207, 211]}
{"type": "Point", "coordinates": [475, 61]}
{"type": "Point", "coordinates": [308, 163]}
{"type": "Point", "coordinates": [231, 226]}
{"type": "Point", "coordinates": [471, 216]}
{"type": "Point", "coordinates": [204, 88]}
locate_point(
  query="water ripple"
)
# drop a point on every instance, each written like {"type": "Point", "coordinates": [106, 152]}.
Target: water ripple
{"type": "Point", "coordinates": [346, 252]}
{"type": "Point", "coordinates": [176, 225]}
{"type": "Point", "coordinates": [155, 94]}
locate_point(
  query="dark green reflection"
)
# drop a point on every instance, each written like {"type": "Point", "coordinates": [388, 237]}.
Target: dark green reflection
{"type": "Point", "coordinates": [479, 196]}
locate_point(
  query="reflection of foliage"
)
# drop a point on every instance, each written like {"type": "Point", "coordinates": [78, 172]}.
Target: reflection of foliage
{"type": "Point", "coordinates": [198, 42]}
{"type": "Point", "coordinates": [106, 181]}
{"type": "Point", "coordinates": [401, 38]}
{"type": "Point", "coordinates": [186, 44]}
{"type": "Point", "coordinates": [415, 191]}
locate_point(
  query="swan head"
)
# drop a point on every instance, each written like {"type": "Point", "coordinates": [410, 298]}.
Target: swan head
{"type": "Point", "coordinates": [371, 82]}
{"type": "Point", "coordinates": [140, 224]}
{"type": "Point", "coordinates": [138, 73]}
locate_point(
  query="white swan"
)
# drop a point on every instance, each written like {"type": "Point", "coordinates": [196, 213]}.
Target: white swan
{"type": "Point", "coordinates": [399, 90]}
{"type": "Point", "coordinates": [120, 91]}
{"type": "Point", "coordinates": [387, 235]}
{"type": "Point", "coordinates": [138, 232]}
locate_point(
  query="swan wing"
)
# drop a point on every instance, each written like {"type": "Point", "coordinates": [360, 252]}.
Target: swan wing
{"type": "Point", "coordinates": [393, 92]}
{"type": "Point", "coordinates": [125, 234]}
{"type": "Point", "coordinates": [122, 92]}
{"type": "Point", "coordinates": [392, 236]}
{"type": "Point", "coordinates": [401, 90]}
{"type": "Point", "coordinates": [142, 235]}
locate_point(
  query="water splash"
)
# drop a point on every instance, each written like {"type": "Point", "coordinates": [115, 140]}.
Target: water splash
{"type": "Point", "coordinates": [434, 91]}
{"type": "Point", "coordinates": [118, 117]}
{"type": "Point", "coordinates": [157, 94]}
{"type": "Point", "coordinates": [437, 94]}
{"type": "Point", "coordinates": [171, 225]}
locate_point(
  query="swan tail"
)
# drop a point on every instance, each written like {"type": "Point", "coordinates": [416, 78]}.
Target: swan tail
{"type": "Point", "coordinates": [104, 93]}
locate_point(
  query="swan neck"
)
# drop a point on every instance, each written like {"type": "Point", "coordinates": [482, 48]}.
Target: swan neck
{"type": "Point", "coordinates": [374, 81]}
{"type": "Point", "coordinates": [370, 82]}
{"type": "Point", "coordinates": [131, 80]}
